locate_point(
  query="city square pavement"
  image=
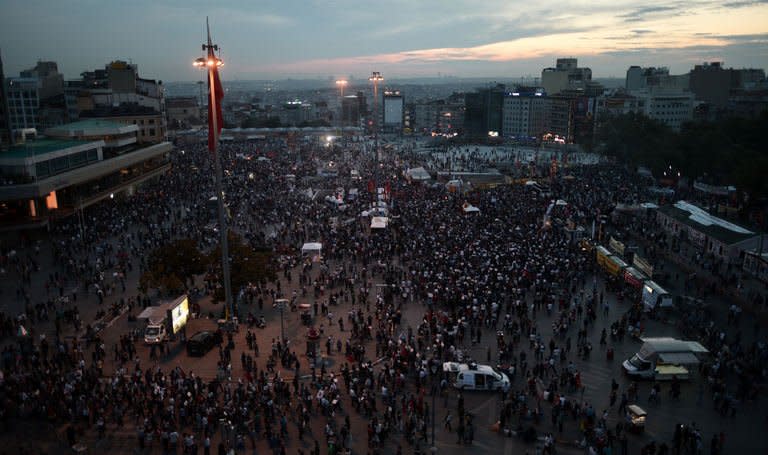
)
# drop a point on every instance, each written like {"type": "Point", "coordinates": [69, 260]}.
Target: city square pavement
{"type": "Point", "coordinates": [745, 431]}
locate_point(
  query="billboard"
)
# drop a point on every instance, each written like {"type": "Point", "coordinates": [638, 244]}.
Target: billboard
{"type": "Point", "coordinates": [616, 246]}
{"type": "Point", "coordinates": [178, 314]}
{"type": "Point", "coordinates": [643, 265]}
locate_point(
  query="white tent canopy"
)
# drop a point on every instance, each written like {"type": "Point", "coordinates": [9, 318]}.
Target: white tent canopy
{"type": "Point", "coordinates": [469, 208]}
{"type": "Point", "coordinates": [379, 222]}
{"type": "Point", "coordinates": [312, 247]}
{"type": "Point", "coordinates": [417, 174]}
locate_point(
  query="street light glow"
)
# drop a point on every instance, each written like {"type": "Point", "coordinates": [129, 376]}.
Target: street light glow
{"type": "Point", "coordinates": [376, 77]}
{"type": "Point", "coordinates": [209, 62]}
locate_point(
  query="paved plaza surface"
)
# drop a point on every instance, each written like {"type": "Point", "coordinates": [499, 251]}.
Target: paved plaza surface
{"type": "Point", "coordinates": [744, 427]}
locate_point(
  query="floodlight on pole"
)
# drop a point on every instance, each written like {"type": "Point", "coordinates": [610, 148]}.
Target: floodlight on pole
{"type": "Point", "coordinates": [341, 83]}
{"type": "Point", "coordinates": [376, 77]}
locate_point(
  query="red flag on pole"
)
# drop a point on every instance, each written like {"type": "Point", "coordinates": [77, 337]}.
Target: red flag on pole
{"type": "Point", "coordinates": [215, 94]}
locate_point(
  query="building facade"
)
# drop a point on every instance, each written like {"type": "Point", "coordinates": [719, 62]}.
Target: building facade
{"type": "Point", "coordinates": [565, 75]}
{"type": "Point", "coordinates": [23, 102]}
{"type": "Point", "coordinates": [525, 111]}
{"type": "Point", "coordinates": [709, 234]}
{"type": "Point", "coordinates": [75, 166]}
{"type": "Point", "coordinates": [393, 112]}
{"type": "Point", "coordinates": [182, 112]}
{"type": "Point", "coordinates": [671, 107]}
{"type": "Point", "coordinates": [483, 115]}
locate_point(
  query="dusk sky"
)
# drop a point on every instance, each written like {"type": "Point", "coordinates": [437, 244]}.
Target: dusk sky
{"type": "Point", "coordinates": [307, 39]}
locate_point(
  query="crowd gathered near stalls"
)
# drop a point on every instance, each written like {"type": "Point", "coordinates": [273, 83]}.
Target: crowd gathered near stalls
{"type": "Point", "coordinates": [499, 285]}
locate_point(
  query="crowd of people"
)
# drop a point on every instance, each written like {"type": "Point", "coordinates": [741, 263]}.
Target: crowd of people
{"type": "Point", "coordinates": [499, 284]}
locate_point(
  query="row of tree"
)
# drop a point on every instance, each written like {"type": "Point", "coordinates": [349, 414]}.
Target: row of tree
{"type": "Point", "coordinates": [171, 269]}
{"type": "Point", "coordinates": [727, 152]}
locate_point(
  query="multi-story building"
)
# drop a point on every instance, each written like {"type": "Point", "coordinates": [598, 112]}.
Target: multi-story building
{"type": "Point", "coordinates": [23, 102]}
{"type": "Point", "coordinates": [151, 123]}
{"type": "Point", "coordinates": [483, 114]}
{"type": "Point", "coordinates": [641, 78]}
{"type": "Point", "coordinates": [568, 118]}
{"type": "Point", "coordinates": [615, 104]}
{"type": "Point", "coordinates": [393, 112]}
{"type": "Point", "coordinates": [438, 116]}
{"type": "Point", "coordinates": [50, 81]}
{"type": "Point", "coordinates": [71, 91]}
{"type": "Point", "coordinates": [451, 117]}
{"type": "Point", "coordinates": [117, 93]}
{"type": "Point", "coordinates": [122, 76]}
{"type": "Point", "coordinates": [524, 112]}
{"type": "Point", "coordinates": [5, 127]}
{"type": "Point", "coordinates": [747, 103]}
{"type": "Point", "coordinates": [565, 75]}
{"type": "Point", "coordinates": [671, 107]}
{"type": "Point", "coordinates": [352, 109]}
{"type": "Point", "coordinates": [182, 111]}
{"type": "Point", "coordinates": [75, 166]}
{"type": "Point", "coordinates": [424, 115]}
{"type": "Point", "coordinates": [711, 83]}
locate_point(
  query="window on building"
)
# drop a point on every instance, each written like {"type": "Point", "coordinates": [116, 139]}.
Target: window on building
{"type": "Point", "coordinates": [59, 164]}
{"type": "Point", "coordinates": [42, 169]}
{"type": "Point", "coordinates": [78, 159]}
{"type": "Point", "coordinates": [151, 131]}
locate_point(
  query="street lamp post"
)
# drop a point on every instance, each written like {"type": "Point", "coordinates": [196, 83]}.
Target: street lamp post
{"type": "Point", "coordinates": [281, 303]}
{"type": "Point", "coordinates": [212, 63]}
{"type": "Point", "coordinates": [376, 77]}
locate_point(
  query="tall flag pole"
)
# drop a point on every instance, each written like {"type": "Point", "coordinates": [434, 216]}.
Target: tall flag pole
{"type": "Point", "coordinates": [215, 121]}
{"type": "Point", "coordinates": [215, 93]}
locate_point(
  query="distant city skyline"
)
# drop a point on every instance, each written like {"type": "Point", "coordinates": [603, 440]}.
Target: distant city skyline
{"type": "Point", "coordinates": [402, 39]}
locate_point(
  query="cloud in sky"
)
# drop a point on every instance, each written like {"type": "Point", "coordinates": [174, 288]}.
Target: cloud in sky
{"type": "Point", "coordinates": [272, 39]}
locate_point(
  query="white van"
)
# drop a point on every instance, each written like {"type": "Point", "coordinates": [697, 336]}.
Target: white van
{"type": "Point", "coordinates": [476, 377]}
{"type": "Point", "coordinates": [664, 358]}
{"type": "Point", "coordinates": [654, 296]}
{"type": "Point", "coordinates": [154, 333]}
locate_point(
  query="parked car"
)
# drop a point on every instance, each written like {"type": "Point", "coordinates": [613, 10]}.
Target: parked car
{"type": "Point", "coordinates": [200, 343]}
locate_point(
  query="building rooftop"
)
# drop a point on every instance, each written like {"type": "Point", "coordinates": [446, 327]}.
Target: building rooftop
{"type": "Point", "coordinates": [90, 127]}
{"type": "Point", "coordinates": [697, 218]}
{"type": "Point", "coordinates": [124, 110]}
{"type": "Point", "coordinates": [39, 147]}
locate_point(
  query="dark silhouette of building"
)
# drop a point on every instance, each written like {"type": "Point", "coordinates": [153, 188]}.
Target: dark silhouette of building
{"type": "Point", "coordinates": [483, 116]}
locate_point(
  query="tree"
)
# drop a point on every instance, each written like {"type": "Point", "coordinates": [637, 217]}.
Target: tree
{"type": "Point", "coordinates": [257, 122]}
{"type": "Point", "coordinates": [726, 152]}
{"type": "Point", "coordinates": [247, 265]}
{"type": "Point", "coordinates": [171, 266]}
